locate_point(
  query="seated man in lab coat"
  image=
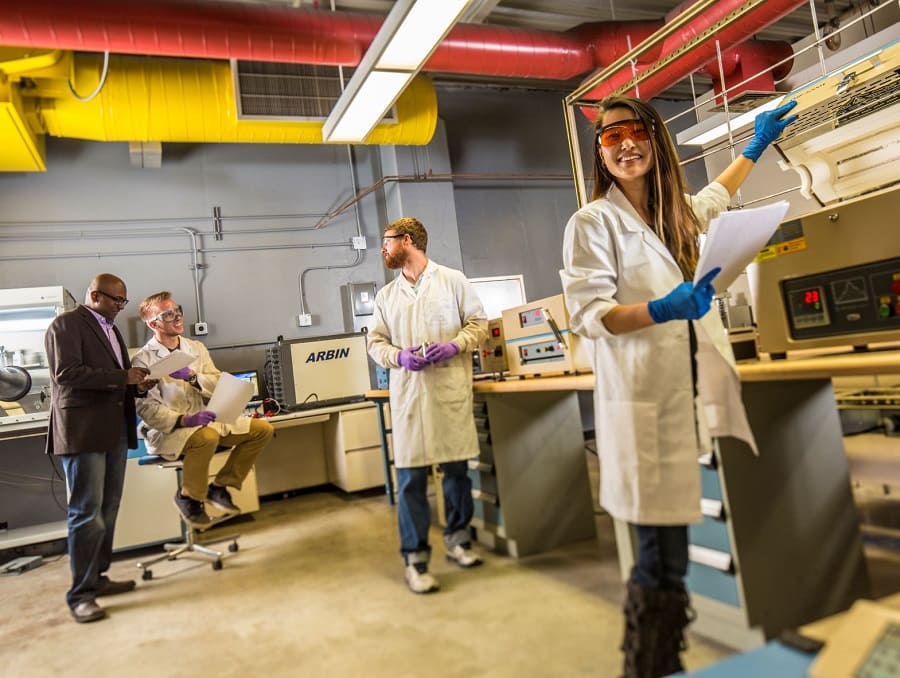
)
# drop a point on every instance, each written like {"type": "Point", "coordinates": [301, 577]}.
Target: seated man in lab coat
{"type": "Point", "coordinates": [427, 322]}
{"type": "Point", "coordinates": [175, 423]}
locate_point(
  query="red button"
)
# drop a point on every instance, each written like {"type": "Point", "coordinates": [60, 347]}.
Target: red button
{"type": "Point", "coordinates": [895, 287]}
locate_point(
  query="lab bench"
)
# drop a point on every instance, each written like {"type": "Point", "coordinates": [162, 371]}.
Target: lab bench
{"type": "Point", "coordinates": [337, 444]}
{"type": "Point", "coordinates": [779, 545]}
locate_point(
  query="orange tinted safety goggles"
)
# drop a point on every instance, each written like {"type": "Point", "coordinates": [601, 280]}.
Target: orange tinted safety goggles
{"type": "Point", "coordinates": [614, 134]}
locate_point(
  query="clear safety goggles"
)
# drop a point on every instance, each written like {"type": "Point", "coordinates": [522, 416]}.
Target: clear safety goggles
{"type": "Point", "coordinates": [169, 315]}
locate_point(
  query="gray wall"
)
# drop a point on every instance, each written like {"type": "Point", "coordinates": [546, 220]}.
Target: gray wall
{"type": "Point", "coordinates": [91, 212]}
{"type": "Point", "coordinates": [510, 225]}
{"type": "Point", "coordinates": [513, 225]}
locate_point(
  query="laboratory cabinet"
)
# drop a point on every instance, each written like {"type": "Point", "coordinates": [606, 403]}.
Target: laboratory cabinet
{"type": "Point", "coordinates": [529, 482]}
{"type": "Point", "coordinates": [338, 444]}
{"type": "Point", "coordinates": [780, 544]}
{"type": "Point", "coordinates": [354, 450]}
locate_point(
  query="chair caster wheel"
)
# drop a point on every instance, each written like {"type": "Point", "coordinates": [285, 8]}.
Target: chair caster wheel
{"type": "Point", "coordinates": [233, 546]}
{"type": "Point", "coordinates": [147, 575]}
{"type": "Point", "coordinates": [217, 565]}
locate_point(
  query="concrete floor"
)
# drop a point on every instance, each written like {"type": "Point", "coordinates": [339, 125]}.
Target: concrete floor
{"type": "Point", "coordinates": [317, 590]}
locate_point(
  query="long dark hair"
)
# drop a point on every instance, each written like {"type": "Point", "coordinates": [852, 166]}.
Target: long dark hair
{"type": "Point", "coordinates": [673, 219]}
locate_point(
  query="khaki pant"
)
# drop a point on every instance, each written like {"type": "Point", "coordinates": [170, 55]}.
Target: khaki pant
{"type": "Point", "coordinates": [199, 451]}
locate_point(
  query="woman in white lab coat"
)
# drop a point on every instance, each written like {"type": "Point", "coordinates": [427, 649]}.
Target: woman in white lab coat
{"type": "Point", "coordinates": [665, 376]}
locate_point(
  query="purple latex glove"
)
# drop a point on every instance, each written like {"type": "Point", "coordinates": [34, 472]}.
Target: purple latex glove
{"type": "Point", "coordinates": [410, 360]}
{"type": "Point", "coordinates": [441, 351]}
{"type": "Point", "coordinates": [184, 373]}
{"type": "Point", "coordinates": [201, 418]}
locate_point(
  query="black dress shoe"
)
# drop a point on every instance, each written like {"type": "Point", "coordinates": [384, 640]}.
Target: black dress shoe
{"type": "Point", "coordinates": [88, 611]}
{"type": "Point", "coordinates": [109, 587]}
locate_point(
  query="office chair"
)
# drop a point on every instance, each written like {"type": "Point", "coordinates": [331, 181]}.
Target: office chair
{"type": "Point", "coordinates": [190, 547]}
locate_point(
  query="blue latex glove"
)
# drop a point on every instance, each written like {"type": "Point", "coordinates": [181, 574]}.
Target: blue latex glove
{"type": "Point", "coordinates": [767, 127]}
{"type": "Point", "coordinates": [201, 418]}
{"type": "Point", "coordinates": [440, 351]}
{"type": "Point", "coordinates": [685, 302]}
{"type": "Point", "coordinates": [410, 360]}
{"type": "Point", "coordinates": [184, 373]}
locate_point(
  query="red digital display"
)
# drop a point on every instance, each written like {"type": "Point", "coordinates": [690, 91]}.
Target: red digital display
{"type": "Point", "coordinates": [811, 297]}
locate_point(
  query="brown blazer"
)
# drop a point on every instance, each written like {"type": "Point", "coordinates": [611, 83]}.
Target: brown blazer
{"type": "Point", "coordinates": [91, 405]}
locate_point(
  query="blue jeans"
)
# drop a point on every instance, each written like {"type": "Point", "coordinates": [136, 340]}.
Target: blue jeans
{"type": "Point", "coordinates": [95, 481]}
{"type": "Point", "coordinates": [414, 512]}
{"type": "Point", "coordinates": [662, 557]}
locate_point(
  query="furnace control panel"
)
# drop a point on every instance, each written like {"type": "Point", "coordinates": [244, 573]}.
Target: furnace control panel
{"type": "Point", "coordinates": [863, 298]}
{"type": "Point", "coordinates": [490, 357]}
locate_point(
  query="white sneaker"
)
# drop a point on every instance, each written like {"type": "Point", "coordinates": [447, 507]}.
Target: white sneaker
{"type": "Point", "coordinates": [463, 557]}
{"type": "Point", "coordinates": [420, 582]}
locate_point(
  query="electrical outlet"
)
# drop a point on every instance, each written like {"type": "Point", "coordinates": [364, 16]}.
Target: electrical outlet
{"type": "Point", "coordinates": [199, 329]}
{"type": "Point", "coordinates": [304, 320]}
{"type": "Point", "coordinates": [359, 242]}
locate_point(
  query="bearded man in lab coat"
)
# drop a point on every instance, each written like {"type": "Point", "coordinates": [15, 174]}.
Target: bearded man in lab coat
{"type": "Point", "coordinates": [428, 320]}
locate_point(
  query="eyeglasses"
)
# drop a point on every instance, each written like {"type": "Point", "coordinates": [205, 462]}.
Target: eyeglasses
{"type": "Point", "coordinates": [615, 133]}
{"type": "Point", "coordinates": [169, 315]}
{"type": "Point", "coordinates": [387, 239]}
{"type": "Point", "coordinates": [121, 301]}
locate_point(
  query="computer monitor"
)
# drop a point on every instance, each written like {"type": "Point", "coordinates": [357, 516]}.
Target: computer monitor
{"type": "Point", "coordinates": [253, 377]}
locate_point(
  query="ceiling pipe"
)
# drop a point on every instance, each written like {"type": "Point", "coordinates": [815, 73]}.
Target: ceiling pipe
{"type": "Point", "coordinates": [694, 46]}
{"type": "Point", "coordinates": [193, 28]}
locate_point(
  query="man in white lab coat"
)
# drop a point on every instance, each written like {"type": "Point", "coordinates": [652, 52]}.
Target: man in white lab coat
{"type": "Point", "coordinates": [428, 320]}
{"type": "Point", "coordinates": [177, 424]}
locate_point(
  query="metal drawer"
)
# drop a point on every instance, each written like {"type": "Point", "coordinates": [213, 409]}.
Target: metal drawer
{"type": "Point", "coordinates": [713, 583]}
{"type": "Point", "coordinates": [711, 533]}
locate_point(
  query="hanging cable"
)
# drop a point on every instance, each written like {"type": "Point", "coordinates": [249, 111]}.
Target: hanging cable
{"type": "Point", "coordinates": [99, 87]}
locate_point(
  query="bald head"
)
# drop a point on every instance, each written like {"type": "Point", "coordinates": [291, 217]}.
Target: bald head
{"type": "Point", "coordinates": [106, 295]}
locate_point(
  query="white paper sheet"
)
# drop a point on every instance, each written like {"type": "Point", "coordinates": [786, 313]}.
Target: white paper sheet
{"type": "Point", "coordinates": [171, 363]}
{"type": "Point", "coordinates": [230, 398]}
{"type": "Point", "coordinates": [735, 238]}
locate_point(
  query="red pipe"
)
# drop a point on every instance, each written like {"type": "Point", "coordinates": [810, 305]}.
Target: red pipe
{"type": "Point", "coordinates": [194, 28]}
{"type": "Point", "coordinates": [700, 55]}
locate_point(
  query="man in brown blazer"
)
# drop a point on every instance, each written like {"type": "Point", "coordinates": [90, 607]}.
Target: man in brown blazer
{"type": "Point", "coordinates": [92, 425]}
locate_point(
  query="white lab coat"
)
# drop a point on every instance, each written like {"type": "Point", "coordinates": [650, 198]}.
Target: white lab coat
{"type": "Point", "coordinates": [171, 398]}
{"type": "Point", "coordinates": [650, 431]}
{"type": "Point", "coordinates": [431, 410]}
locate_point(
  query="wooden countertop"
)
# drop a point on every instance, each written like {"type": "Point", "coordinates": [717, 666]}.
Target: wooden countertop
{"type": "Point", "coordinates": [840, 362]}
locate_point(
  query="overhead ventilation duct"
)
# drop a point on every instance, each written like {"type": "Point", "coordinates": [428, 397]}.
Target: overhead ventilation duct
{"type": "Point", "coordinates": [146, 99]}
{"type": "Point", "coordinates": [157, 100]}
{"type": "Point", "coordinates": [192, 28]}
{"type": "Point", "coordinates": [846, 142]}
{"type": "Point", "coordinates": [726, 23]}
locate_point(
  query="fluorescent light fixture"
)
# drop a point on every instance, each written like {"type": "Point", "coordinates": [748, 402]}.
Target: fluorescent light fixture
{"type": "Point", "coordinates": [372, 100]}
{"type": "Point", "coordinates": [410, 33]}
{"type": "Point", "coordinates": [420, 33]}
{"type": "Point", "coordinates": [702, 135]}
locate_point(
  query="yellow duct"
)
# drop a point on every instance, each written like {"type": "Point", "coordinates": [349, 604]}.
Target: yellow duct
{"type": "Point", "coordinates": [160, 99]}
{"type": "Point", "coordinates": [21, 149]}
